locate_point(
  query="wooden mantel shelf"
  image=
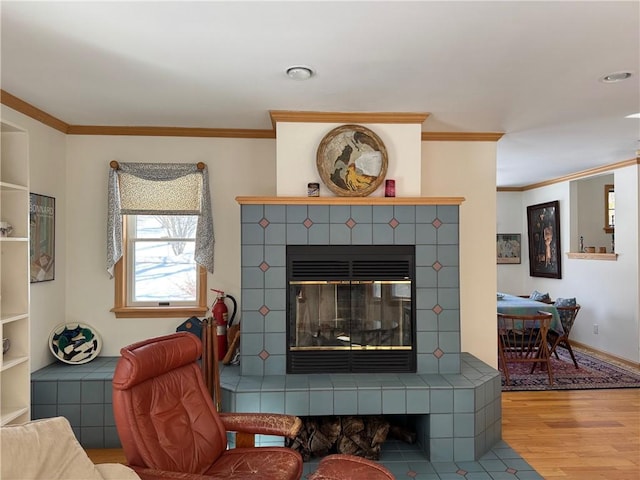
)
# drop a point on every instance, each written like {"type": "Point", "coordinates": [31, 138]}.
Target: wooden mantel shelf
{"type": "Point", "coordinates": [592, 256]}
{"type": "Point", "coordinates": [350, 200]}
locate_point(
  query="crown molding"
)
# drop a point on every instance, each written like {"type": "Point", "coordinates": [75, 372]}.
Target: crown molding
{"type": "Point", "coordinates": [462, 136]}
{"type": "Point", "coordinates": [276, 116]}
{"type": "Point", "coordinates": [573, 176]}
{"type": "Point", "coordinates": [29, 110]}
{"type": "Point", "coordinates": [349, 117]}
{"type": "Point", "coordinates": [34, 112]}
{"type": "Point", "coordinates": [169, 131]}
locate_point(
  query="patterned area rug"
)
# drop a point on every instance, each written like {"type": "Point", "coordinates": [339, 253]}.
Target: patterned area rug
{"type": "Point", "coordinates": [593, 373]}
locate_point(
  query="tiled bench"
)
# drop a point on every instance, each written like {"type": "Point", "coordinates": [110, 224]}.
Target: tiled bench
{"type": "Point", "coordinates": [457, 417]}
{"type": "Point", "coordinates": [82, 394]}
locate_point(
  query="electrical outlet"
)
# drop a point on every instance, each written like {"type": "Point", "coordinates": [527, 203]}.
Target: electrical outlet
{"type": "Point", "coordinates": [595, 329]}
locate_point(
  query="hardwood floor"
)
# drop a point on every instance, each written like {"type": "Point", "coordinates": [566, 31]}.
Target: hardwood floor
{"type": "Point", "coordinates": [576, 434]}
{"type": "Point", "coordinates": [564, 435]}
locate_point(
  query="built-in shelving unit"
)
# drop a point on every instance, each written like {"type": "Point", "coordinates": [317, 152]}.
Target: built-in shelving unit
{"type": "Point", "coordinates": [15, 385]}
{"type": "Point", "coordinates": [592, 256]}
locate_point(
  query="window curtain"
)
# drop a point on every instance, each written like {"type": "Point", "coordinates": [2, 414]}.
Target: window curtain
{"type": "Point", "coordinates": [160, 189]}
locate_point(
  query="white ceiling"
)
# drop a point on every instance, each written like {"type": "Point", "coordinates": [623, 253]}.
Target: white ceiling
{"type": "Point", "coordinates": [529, 69]}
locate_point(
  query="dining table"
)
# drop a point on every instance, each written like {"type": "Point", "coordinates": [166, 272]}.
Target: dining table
{"type": "Point", "coordinates": [515, 305]}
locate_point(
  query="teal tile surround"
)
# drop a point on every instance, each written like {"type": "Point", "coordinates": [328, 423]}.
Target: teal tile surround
{"type": "Point", "coordinates": [82, 394]}
{"type": "Point", "coordinates": [459, 416]}
{"type": "Point", "coordinates": [500, 462]}
{"type": "Point", "coordinates": [447, 380]}
{"type": "Point", "coordinates": [266, 230]}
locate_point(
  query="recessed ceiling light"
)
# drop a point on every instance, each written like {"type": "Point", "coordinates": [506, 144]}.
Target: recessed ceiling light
{"type": "Point", "coordinates": [300, 72]}
{"type": "Point", "coordinates": [634, 115]}
{"type": "Point", "coordinates": [615, 77]}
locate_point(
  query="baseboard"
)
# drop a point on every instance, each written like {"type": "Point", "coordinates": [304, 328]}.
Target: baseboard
{"type": "Point", "coordinates": [606, 355]}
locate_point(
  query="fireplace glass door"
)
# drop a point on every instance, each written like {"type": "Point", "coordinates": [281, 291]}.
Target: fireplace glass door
{"type": "Point", "coordinates": [350, 309]}
{"type": "Point", "coordinates": [347, 315]}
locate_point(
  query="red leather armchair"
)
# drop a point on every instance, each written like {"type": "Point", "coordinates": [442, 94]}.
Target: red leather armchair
{"type": "Point", "coordinates": [169, 427]}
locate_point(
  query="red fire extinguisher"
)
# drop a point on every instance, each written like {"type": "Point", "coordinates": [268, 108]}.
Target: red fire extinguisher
{"type": "Point", "coordinates": [221, 318]}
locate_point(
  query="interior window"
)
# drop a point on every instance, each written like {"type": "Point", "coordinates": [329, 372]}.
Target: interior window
{"type": "Point", "coordinates": [609, 208]}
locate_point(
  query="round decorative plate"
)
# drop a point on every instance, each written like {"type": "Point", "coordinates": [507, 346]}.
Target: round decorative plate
{"type": "Point", "coordinates": [352, 161]}
{"type": "Point", "coordinates": [75, 343]}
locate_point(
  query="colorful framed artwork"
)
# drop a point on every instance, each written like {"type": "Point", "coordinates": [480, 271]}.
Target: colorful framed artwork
{"type": "Point", "coordinates": [508, 247]}
{"type": "Point", "coordinates": [543, 221]}
{"type": "Point", "coordinates": [42, 232]}
{"type": "Point", "coordinates": [352, 161]}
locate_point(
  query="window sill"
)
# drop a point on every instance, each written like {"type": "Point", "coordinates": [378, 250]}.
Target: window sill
{"type": "Point", "coordinates": [592, 256]}
{"type": "Point", "coordinates": [159, 312]}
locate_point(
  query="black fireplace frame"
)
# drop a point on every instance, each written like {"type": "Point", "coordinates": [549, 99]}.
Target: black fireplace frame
{"type": "Point", "coordinates": [351, 263]}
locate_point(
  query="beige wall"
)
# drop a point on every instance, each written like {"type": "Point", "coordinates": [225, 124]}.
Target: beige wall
{"type": "Point", "coordinates": [236, 167]}
{"type": "Point", "coordinates": [297, 144]}
{"type": "Point", "coordinates": [468, 169]}
{"type": "Point", "coordinates": [74, 170]}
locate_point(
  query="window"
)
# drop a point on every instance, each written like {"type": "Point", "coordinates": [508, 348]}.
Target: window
{"type": "Point", "coordinates": [158, 276]}
{"type": "Point", "coordinates": [609, 208]}
{"type": "Point", "coordinates": [160, 239]}
{"type": "Point", "coordinates": [161, 267]}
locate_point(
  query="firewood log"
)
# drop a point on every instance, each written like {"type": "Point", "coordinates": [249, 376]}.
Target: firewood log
{"type": "Point", "coordinates": [330, 427]}
{"type": "Point", "coordinates": [346, 445]}
{"type": "Point", "coordinates": [352, 425]}
{"type": "Point", "coordinates": [377, 429]}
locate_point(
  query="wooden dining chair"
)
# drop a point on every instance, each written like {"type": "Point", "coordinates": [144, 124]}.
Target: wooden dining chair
{"type": "Point", "coordinates": [567, 314]}
{"type": "Point", "coordinates": [523, 339]}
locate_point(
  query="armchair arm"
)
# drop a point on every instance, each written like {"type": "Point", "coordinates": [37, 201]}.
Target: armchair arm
{"type": "Point", "coordinates": [262, 423]}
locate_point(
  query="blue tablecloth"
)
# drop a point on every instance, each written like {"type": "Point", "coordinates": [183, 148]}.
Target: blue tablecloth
{"type": "Point", "coordinates": [525, 306]}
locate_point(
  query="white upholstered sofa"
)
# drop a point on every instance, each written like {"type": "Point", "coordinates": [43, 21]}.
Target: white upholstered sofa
{"type": "Point", "coordinates": [47, 449]}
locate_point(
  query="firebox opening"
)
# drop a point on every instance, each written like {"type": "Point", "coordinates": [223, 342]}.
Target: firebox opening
{"type": "Point", "coordinates": [350, 308]}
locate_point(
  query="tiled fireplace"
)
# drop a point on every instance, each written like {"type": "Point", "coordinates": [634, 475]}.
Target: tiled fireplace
{"type": "Point", "coordinates": [268, 229]}
{"type": "Point", "coordinates": [454, 397]}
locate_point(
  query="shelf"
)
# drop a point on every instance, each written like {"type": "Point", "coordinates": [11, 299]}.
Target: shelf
{"type": "Point", "coordinates": [12, 317]}
{"type": "Point", "coordinates": [13, 239]}
{"type": "Point", "coordinates": [349, 200]}
{"type": "Point", "coordinates": [15, 385]}
{"type": "Point", "coordinates": [592, 256]}
{"type": "Point", "coordinates": [9, 361]}
{"type": "Point", "coordinates": [12, 186]}
{"type": "Point", "coordinates": [9, 413]}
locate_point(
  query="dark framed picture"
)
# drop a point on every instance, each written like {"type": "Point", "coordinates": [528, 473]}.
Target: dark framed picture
{"type": "Point", "coordinates": [42, 231]}
{"type": "Point", "coordinates": [352, 161]}
{"type": "Point", "coordinates": [543, 221]}
{"type": "Point", "coordinates": [508, 248]}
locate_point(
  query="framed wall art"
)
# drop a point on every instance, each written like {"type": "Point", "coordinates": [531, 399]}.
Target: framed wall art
{"type": "Point", "coordinates": [508, 248]}
{"type": "Point", "coordinates": [543, 221]}
{"type": "Point", "coordinates": [352, 161]}
{"type": "Point", "coordinates": [42, 231]}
